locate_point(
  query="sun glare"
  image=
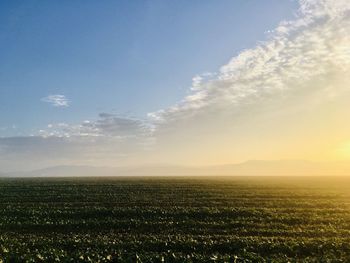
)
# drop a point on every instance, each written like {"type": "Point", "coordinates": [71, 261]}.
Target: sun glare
{"type": "Point", "coordinates": [344, 150]}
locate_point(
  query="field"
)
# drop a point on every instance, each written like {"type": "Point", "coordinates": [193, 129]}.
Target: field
{"type": "Point", "coordinates": [202, 219]}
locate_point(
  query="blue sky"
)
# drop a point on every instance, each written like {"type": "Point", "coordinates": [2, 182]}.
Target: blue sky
{"type": "Point", "coordinates": [132, 83]}
{"type": "Point", "coordinates": [124, 57]}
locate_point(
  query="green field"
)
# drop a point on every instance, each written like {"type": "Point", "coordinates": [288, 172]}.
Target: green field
{"type": "Point", "coordinates": [203, 219]}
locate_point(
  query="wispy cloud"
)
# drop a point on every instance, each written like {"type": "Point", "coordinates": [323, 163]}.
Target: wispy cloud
{"type": "Point", "coordinates": [308, 48]}
{"type": "Point", "coordinates": [285, 84]}
{"type": "Point", "coordinates": [57, 100]}
{"type": "Point", "coordinates": [107, 125]}
{"type": "Point", "coordinates": [110, 139]}
{"type": "Point", "coordinates": [311, 46]}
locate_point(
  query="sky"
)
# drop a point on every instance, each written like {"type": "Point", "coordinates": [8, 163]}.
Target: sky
{"type": "Point", "coordinates": [129, 83]}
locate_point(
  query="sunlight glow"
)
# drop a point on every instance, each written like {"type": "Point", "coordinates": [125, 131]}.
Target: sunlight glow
{"type": "Point", "coordinates": [344, 150]}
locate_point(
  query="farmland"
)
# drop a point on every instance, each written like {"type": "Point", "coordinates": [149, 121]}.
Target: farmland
{"type": "Point", "coordinates": [175, 219]}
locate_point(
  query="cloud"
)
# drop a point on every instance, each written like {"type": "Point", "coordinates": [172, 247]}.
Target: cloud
{"type": "Point", "coordinates": [283, 84]}
{"type": "Point", "coordinates": [57, 100]}
{"type": "Point", "coordinates": [109, 140]}
{"type": "Point", "coordinates": [107, 125]}
{"type": "Point", "coordinates": [312, 46]}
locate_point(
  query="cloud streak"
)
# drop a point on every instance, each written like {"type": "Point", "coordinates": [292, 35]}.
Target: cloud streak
{"type": "Point", "coordinates": [107, 125]}
{"type": "Point", "coordinates": [281, 86]}
{"type": "Point", "coordinates": [110, 140]}
{"type": "Point", "coordinates": [312, 46]}
{"type": "Point", "coordinates": [57, 100]}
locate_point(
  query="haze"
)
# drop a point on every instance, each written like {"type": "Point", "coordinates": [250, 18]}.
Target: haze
{"type": "Point", "coordinates": [163, 83]}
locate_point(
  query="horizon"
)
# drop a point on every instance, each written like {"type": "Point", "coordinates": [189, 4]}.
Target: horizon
{"type": "Point", "coordinates": [251, 168]}
{"type": "Point", "coordinates": [190, 84]}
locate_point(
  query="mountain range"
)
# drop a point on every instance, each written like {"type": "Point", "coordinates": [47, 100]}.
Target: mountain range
{"type": "Point", "coordinates": [248, 168]}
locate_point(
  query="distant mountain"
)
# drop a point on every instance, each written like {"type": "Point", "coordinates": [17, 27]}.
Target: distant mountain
{"type": "Point", "coordinates": [66, 171]}
{"type": "Point", "coordinates": [251, 168]}
{"type": "Point", "coordinates": [286, 167]}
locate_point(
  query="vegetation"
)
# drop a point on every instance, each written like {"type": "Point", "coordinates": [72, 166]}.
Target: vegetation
{"type": "Point", "coordinates": [203, 219]}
